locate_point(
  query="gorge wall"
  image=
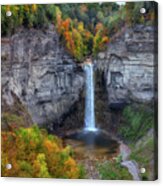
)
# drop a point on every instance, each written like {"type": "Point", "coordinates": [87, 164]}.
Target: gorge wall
{"type": "Point", "coordinates": [41, 74]}
{"type": "Point", "coordinates": [129, 66]}
{"type": "Point", "coordinates": [37, 69]}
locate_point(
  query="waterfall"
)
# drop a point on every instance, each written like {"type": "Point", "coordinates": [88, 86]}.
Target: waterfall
{"type": "Point", "coordinates": [89, 99]}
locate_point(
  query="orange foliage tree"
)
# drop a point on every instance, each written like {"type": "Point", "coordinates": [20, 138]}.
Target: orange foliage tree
{"type": "Point", "coordinates": [81, 42]}
{"type": "Point", "coordinates": [34, 153]}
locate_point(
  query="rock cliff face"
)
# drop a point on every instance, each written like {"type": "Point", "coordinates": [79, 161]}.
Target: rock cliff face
{"type": "Point", "coordinates": [37, 69]}
{"type": "Point", "coordinates": [129, 66]}
{"type": "Point", "coordinates": [41, 74]}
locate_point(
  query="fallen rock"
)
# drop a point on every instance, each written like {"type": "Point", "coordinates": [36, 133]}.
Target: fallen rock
{"type": "Point", "coordinates": [125, 151]}
{"type": "Point", "coordinates": [133, 169]}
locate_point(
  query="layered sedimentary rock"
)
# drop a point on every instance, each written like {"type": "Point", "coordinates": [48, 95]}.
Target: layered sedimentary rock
{"type": "Point", "coordinates": [129, 66]}
{"type": "Point", "coordinates": [37, 69]}
{"type": "Point", "coordinates": [41, 74]}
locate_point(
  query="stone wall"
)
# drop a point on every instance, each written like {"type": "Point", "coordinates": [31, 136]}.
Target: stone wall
{"type": "Point", "coordinates": [128, 65]}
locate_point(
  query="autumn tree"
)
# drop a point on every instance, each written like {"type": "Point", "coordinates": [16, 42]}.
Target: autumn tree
{"type": "Point", "coordinates": [80, 41]}
{"type": "Point", "coordinates": [84, 28]}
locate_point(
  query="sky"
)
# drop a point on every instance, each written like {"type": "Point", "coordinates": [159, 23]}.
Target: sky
{"type": "Point", "coordinates": [121, 3]}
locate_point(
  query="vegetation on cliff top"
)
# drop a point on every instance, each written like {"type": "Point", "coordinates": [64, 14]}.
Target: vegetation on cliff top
{"type": "Point", "coordinates": [84, 28]}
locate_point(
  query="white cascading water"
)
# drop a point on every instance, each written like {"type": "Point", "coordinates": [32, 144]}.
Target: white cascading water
{"type": "Point", "coordinates": [89, 99]}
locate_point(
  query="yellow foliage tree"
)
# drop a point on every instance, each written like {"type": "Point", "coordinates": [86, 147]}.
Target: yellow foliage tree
{"type": "Point", "coordinates": [34, 153]}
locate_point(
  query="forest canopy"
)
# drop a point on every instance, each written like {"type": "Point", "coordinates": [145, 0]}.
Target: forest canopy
{"type": "Point", "coordinates": [85, 29]}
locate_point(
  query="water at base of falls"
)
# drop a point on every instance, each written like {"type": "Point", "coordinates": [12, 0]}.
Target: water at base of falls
{"type": "Point", "coordinates": [90, 129]}
{"type": "Point", "coordinates": [93, 145]}
{"type": "Point", "coordinates": [89, 99]}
